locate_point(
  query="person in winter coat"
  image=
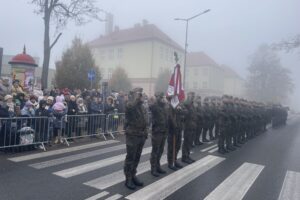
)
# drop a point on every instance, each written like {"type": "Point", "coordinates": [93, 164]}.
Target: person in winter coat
{"type": "Point", "coordinates": [72, 110]}
{"type": "Point", "coordinates": [59, 112]}
{"type": "Point", "coordinates": [42, 122]}
{"type": "Point", "coordinates": [82, 110]}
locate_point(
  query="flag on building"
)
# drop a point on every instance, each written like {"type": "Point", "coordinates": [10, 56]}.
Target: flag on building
{"type": "Point", "coordinates": [175, 88]}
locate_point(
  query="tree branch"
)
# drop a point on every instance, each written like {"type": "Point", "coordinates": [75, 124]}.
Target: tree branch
{"type": "Point", "coordinates": [54, 42]}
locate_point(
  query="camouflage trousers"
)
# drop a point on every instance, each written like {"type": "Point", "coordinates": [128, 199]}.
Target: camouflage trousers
{"type": "Point", "coordinates": [134, 148]}
{"type": "Point", "coordinates": [158, 144]}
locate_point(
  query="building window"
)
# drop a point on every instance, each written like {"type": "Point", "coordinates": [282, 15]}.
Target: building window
{"type": "Point", "coordinates": [120, 53]}
{"type": "Point", "coordinates": [195, 85]}
{"type": "Point", "coordinates": [102, 54]}
{"type": "Point", "coordinates": [161, 53]}
{"type": "Point", "coordinates": [111, 54]}
{"type": "Point", "coordinates": [171, 55]}
{"type": "Point", "coordinates": [110, 72]}
{"type": "Point", "coordinates": [204, 85]}
{"type": "Point", "coordinates": [196, 72]}
{"type": "Point", "coordinates": [166, 54]}
{"type": "Point", "coordinates": [205, 71]}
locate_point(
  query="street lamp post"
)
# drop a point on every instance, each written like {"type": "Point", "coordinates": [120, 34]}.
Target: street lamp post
{"type": "Point", "coordinates": [186, 38]}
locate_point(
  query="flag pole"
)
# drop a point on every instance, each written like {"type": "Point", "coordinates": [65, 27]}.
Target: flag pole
{"type": "Point", "coordinates": [174, 138]}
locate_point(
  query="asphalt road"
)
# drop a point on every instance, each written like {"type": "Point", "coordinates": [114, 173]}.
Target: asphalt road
{"type": "Point", "coordinates": [265, 168]}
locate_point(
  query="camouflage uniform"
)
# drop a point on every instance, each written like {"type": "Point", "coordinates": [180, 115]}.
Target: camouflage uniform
{"type": "Point", "coordinates": [136, 135]}
{"type": "Point", "coordinates": [160, 127]}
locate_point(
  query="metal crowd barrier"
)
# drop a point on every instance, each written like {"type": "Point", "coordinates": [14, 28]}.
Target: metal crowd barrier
{"type": "Point", "coordinates": [115, 123]}
{"type": "Point", "coordinates": [24, 131]}
{"type": "Point", "coordinates": [79, 126]}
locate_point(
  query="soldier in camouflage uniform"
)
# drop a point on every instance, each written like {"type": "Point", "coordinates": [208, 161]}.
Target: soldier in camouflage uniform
{"type": "Point", "coordinates": [200, 121]}
{"type": "Point", "coordinates": [160, 128]}
{"type": "Point", "coordinates": [189, 128]}
{"type": "Point", "coordinates": [176, 123]}
{"type": "Point", "coordinates": [207, 118]}
{"type": "Point", "coordinates": [224, 124]}
{"type": "Point", "coordinates": [136, 135]}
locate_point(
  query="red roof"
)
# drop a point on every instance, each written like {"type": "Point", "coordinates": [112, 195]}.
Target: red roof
{"type": "Point", "coordinates": [137, 33]}
{"type": "Point", "coordinates": [23, 59]}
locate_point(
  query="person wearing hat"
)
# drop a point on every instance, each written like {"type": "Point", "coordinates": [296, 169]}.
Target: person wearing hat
{"type": "Point", "coordinates": [16, 88]}
{"type": "Point", "coordinates": [136, 135]}
{"type": "Point", "coordinates": [28, 110]}
{"type": "Point", "coordinates": [159, 112]}
{"type": "Point", "coordinates": [49, 102]}
{"type": "Point", "coordinates": [11, 106]}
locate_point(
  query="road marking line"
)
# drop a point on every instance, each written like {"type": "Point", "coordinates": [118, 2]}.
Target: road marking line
{"type": "Point", "coordinates": [98, 196]}
{"type": "Point", "coordinates": [209, 148]}
{"type": "Point", "coordinates": [115, 197]}
{"type": "Point", "coordinates": [81, 169]}
{"type": "Point", "coordinates": [60, 151]}
{"type": "Point", "coordinates": [213, 150]}
{"type": "Point", "coordinates": [169, 184]}
{"type": "Point", "coordinates": [237, 184]}
{"type": "Point", "coordinates": [291, 186]}
{"type": "Point", "coordinates": [67, 159]}
{"type": "Point", "coordinates": [109, 180]}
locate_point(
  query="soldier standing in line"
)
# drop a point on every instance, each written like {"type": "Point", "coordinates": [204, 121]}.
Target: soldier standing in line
{"type": "Point", "coordinates": [217, 112]}
{"type": "Point", "coordinates": [200, 121]}
{"type": "Point", "coordinates": [189, 128]}
{"type": "Point", "coordinates": [224, 124]}
{"type": "Point", "coordinates": [213, 113]}
{"type": "Point", "coordinates": [136, 135]}
{"type": "Point", "coordinates": [176, 122]}
{"type": "Point", "coordinates": [160, 128]}
{"type": "Point", "coordinates": [207, 119]}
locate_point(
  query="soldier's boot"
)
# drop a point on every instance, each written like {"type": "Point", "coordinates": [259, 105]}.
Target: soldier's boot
{"type": "Point", "coordinates": [137, 182]}
{"type": "Point", "coordinates": [186, 160]}
{"type": "Point", "coordinates": [130, 184]}
{"type": "Point", "coordinates": [154, 172]}
{"type": "Point", "coordinates": [192, 160]}
{"type": "Point", "coordinates": [178, 165]}
{"type": "Point", "coordinates": [160, 170]}
{"type": "Point", "coordinates": [231, 148]}
{"type": "Point", "coordinates": [172, 167]}
{"type": "Point", "coordinates": [221, 151]}
{"type": "Point", "coordinates": [197, 142]}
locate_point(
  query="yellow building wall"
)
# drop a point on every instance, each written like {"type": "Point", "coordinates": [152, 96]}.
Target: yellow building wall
{"type": "Point", "coordinates": [143, 61]}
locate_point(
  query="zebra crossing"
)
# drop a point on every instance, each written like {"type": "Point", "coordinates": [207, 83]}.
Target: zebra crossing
{"type": "Point", "coordinates": [233, 187]}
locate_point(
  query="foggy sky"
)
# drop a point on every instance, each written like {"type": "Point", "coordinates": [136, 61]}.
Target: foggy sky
{"type": "Point", "coordinates": [230, 33]}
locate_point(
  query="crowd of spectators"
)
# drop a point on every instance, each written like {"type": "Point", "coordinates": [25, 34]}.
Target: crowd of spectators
{"type": "Point", "coordinates": [56, 103]}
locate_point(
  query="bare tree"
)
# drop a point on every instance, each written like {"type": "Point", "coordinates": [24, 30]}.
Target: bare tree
{"type": "Point", "coordinates": [59, 13]}
{"type": "Point", "coordinates": [289, 44]}
{"type": "Point", "coordinates": [267, 80]}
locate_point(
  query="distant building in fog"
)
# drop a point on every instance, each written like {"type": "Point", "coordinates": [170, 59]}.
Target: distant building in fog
{"type": "Point", "coordinates": [144, 51]}
{"type": "Point", "coordinates": [207, 78]}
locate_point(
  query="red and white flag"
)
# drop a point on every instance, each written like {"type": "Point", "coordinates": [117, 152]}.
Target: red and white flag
{"type": "Point", "coordinates": [175, 88]}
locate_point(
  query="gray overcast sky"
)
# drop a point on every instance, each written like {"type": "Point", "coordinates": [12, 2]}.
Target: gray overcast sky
{"type": "Point", "coordinates": [230, 33]}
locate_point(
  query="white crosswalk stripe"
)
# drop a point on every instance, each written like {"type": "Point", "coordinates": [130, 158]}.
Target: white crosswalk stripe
{"type": "Point", "coordinates": [291, 186]}
{"type": "Point", "coordinates": [114, 197]}
{"type": "Point", "coordinates": [213, 150]}
{"type": "Point", "coordinates": [209, 148]}
{"type": "Point", "coordinates": [237, 184]}
{"type": "Point", "coordinates": [81, 169]}
{"type": "Point", "coordinates": [75, 157]}
{"type": "Point", "coordinates": [171, 183]}
{"type": "Point", "coordinates": [109, 180]}
{"type": "Point", "coordinates": [60, 151]}
{"type": "Point", "coordinates": [98, 196]}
